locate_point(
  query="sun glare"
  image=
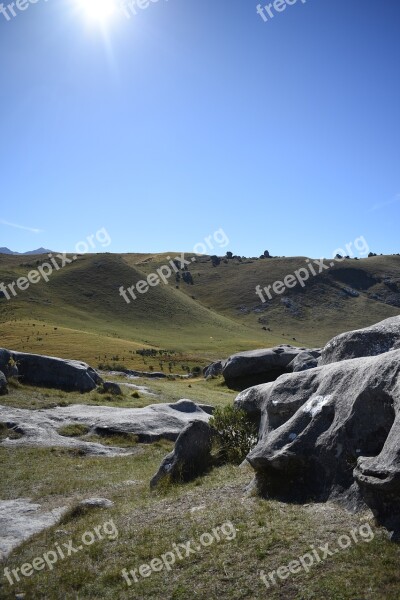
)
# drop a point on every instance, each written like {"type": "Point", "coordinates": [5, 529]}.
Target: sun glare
{"type": "Point", "coordinates": [97, 10]}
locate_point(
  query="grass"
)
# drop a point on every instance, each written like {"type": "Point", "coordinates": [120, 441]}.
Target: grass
{"type": "Point", "coordinates": [268, 534]}
{"type": "Point", "coordinates": [121, 440]}
{"type": "Point", "coordinates": [79, 311]}
{"type": "Point", "coordinates": [73, 430]}
{"type": "Point", "coordinates": [80, 315]}
{"type": "Point", "coordinates": [212, 392]}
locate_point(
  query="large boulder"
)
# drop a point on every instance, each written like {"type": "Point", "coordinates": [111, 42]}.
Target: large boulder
{"type": "Point", "coordinates": [333, 432]}
{"type": "Point", "coordinates": [3, 384]}
{"type": "Point", "coordinates": [191, 456]}
{"type": "Point", "coordinates": [253, 367]}
{"type": "Point", "coordinates": [371, 341]}
{"type": "Point", "coordinates": [59, 373]}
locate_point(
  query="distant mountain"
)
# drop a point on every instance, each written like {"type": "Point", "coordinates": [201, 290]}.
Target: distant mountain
{"type": "Point", "coordinates": [37, 251]}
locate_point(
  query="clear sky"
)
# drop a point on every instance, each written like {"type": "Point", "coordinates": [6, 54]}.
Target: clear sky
{"type": "Point", "coordinates": [197, 115]}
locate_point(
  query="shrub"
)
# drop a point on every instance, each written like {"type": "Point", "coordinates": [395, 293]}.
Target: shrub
{"type": "Point", "coordinates": [235, 434]}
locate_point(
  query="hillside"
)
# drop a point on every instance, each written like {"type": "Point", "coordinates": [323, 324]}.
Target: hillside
{"type": "Point", "coordinates": [79, 313]}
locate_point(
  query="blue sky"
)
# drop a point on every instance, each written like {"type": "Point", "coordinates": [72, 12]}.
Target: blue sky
{"type": "Point", "coordinates": [196, 116]}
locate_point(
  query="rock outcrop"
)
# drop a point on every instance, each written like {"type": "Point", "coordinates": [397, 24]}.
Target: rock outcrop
{"type": "Point", "coordinates": [371, 341]}
{"type": "Point", "coordinates": [253, 367]}
{"type": "Point", "coordinates": [149, 424]}
{"type": "Point", "coordinates": [48, 371]}
{"type": "Point", "coordinates": [191, 456]}
{"type": "Point", "coordinates": [21, 519]}
{"type": "Point", "coordinates": [333, 432]}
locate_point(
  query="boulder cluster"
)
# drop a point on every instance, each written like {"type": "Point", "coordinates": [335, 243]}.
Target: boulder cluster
{"type": "Point", "coordinates": [330, 429]}
{"type": "Point", "coordinates": [260, 366]}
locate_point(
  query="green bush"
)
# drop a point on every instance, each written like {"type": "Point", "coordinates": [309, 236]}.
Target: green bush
{"type": "Point", "coordinates": [235, 434]}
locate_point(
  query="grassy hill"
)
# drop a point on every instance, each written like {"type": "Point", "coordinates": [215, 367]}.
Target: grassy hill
{"type": "Point", "coordinates": [79, 313]}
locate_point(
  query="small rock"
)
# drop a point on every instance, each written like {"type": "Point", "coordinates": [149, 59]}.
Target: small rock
{"type": "Point", "coordinates": [213, 370]}
{"type": "Point", "coordinates": [96, 503]}
{"type": "Point", "coordinates": [197, 508]}
{"type": "Point", "coordinates": [109, 387]}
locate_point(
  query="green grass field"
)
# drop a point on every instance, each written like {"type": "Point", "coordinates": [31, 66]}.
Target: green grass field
{"type": "Point", "coordinates": [80, 314]}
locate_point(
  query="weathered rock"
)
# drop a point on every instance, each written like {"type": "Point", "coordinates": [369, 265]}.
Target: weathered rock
{"type": "Point", "coordinates": [142, 389]}
{"type": "Point", "coordinates": [40, 427]}
{"type": "Point", "coordinates": [109, 387]}
{"type": "Point", "coordinates": [253, 367]}
{"type": "Point", "coordinates": [70, 375]}
{"type": "Point", "coordinates": [191, 456]}
{"type": "Point", "coordinates": [96, 503]}
{"type": "Point", "coordinates": [304, 361]}
{"type": "Point", "coordinates": [333, 432]}
{"type": "Point", "coordinates": [20, 519]}
{"type": "Point", "coordinates": [371, 341]}
{"type": "Point", "coordinates": [214, 369]}
{"type": "Point", "coordinates": [3, 384]}
{"type": "Point", "coordinates": [252, 400]}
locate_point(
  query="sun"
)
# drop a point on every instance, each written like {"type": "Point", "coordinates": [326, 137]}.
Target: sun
{"type": "Point", "coordinates": [97, 10]}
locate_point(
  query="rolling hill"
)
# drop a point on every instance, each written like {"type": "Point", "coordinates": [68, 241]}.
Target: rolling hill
{"type": "Point", "coordinates": [80, 313]}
